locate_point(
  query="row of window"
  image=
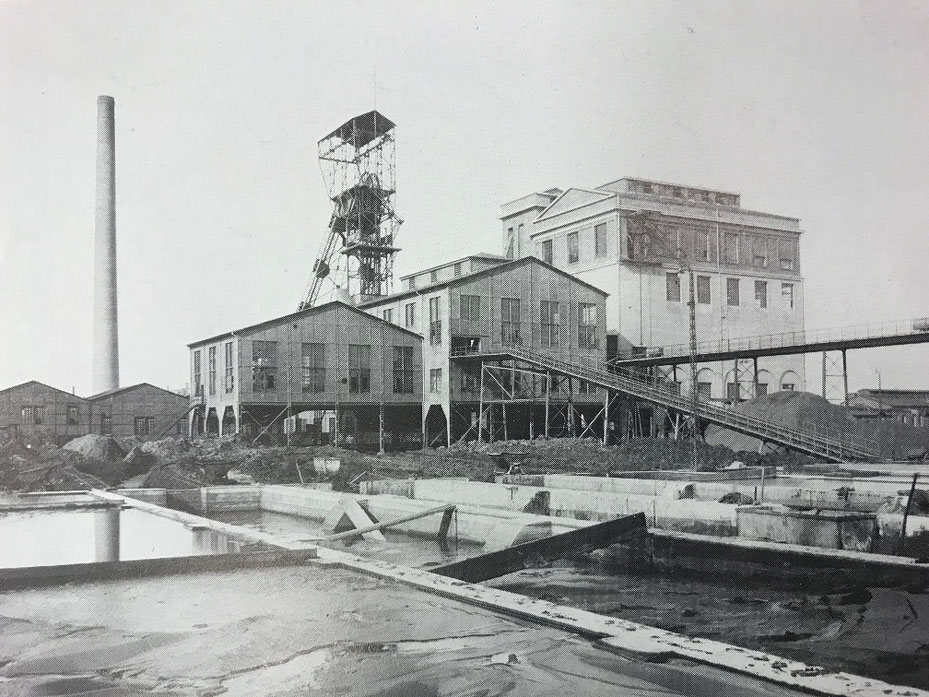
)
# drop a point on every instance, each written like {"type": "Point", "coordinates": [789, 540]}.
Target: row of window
{"type": "Point", "coordinates": [228, 371]}
{"type": "Point", "coordinates": [313, 368]}
{"type": "Point", "coordinates": [733, 292]}
{"type": "Point", "coordinates": [695, 244]}
{"type": "Point", "coordinates": [511, 321]}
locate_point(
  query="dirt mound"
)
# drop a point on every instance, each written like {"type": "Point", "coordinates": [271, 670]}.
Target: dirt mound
{"type": "Point", "coordinates": [99, 448]}
{"type": "Point", "coordinates": [810, 412]}
{"type": "Point", "coordinates": [799, 410]}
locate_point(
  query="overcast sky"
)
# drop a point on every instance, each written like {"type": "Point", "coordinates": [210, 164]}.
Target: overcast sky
{"type": "Point", "coordinates": [818, 110]}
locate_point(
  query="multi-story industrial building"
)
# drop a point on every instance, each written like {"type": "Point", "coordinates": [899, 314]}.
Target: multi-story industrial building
{"type": "Point", "coordinates": [637, 240]}
{"type": "Point", "coordinates": [483, 302]}
{"type": "Point", "coordinates": [910, 407]}
{"type": "Point", "coordinates": [331, 358]}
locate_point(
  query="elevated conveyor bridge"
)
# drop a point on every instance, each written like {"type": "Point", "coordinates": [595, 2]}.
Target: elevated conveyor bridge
{"type": "Point", "coordinates": [832, 446]}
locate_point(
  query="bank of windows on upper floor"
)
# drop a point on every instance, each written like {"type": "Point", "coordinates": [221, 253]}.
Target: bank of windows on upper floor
{"type": "Point", "coordinates": [576, 252]}
{"type": "Point", "coordinates": [733, 291]}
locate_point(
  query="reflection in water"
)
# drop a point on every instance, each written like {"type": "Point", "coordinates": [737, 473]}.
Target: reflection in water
{"type": "Point", "coordinates": [55, 537]}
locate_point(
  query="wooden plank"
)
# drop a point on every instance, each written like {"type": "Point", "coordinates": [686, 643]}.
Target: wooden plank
{"type": "Point", "coordinates": [447, 510]}
{"type": "Point", "coordinates": [517, 557]}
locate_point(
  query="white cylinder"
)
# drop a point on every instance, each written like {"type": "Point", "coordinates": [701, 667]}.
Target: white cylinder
{"type": "Point", "coordinates": [106, 346]}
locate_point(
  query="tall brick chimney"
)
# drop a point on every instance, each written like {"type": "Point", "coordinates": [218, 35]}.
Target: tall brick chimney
{"type": "Point", "coordinates": [106, 341]}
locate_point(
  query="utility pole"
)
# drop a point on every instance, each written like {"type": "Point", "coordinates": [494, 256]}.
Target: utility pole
{"type": "Point", "coordinates": [694, 392]}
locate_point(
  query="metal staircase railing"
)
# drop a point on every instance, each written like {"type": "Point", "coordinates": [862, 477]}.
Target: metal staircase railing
{"type": "Point", "coordinates": [819, 442]}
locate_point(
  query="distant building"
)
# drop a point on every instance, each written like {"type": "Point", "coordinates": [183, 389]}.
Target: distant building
{"type": "Point", "coordinates": [332, 360]}
{"type": "Point", "coordinates": [36, 410]}
{"type": "Point", "coordinates": [633, 238]}
{"type": "Point", "coordinates": [484, 302]}
{"type": "Point", "coordinates": [33, 409]}
{"type": "Point", "coordinates": [142, 411]}
{"type": "Point", "coordinates": [906, 406]}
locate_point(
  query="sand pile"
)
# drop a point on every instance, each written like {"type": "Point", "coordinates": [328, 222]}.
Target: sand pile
{"type": "Point", "coordinates": [810, 412]}
{"type": "Point", "coordinates": [99, 448]}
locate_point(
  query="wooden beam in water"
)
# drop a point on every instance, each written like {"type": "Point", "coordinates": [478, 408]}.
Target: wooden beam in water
{"type": "Point", "coordinates": [518, 557]}
{"type": "Point", "coordinates": [447, 510]}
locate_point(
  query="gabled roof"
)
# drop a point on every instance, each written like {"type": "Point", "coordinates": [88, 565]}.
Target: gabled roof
{"type": "Point", "coordinates": [48, 387]}
{"type": "Point", "coordinates": [301, 314]}
{"type": "Point", "coordinates": [478, 274]}
{"type": "Point", "coordinates": [128, 388]}
{"type": "Point", "coordinates": [574, 198]}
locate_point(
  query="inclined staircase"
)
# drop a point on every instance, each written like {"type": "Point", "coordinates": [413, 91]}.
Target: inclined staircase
{"type": "Point", "coordinates": [817, 441]}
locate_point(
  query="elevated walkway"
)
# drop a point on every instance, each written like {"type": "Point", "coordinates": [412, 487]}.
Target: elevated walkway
{"type": "Point", "coordinates": [910, 331]}
{"type": "Point", "coordinates": [831, 446]}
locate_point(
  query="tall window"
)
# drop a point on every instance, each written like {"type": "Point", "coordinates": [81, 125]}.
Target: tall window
{"type": "Point", "coordinates": [547, 251]}
{"type": "Point", "coordinates": [787, 295]}
{"type": "Point", "coordinates": [198, 375]}
{"type": "Point", "coordinates": [106, 425]}
{"type": "Point", "coordinates": [435, 322]}
{"type": "Point", "coordinates": [587, 325]}
{"type": "Point", "coordinates": [433, 276]}
{"type": "Point", "coordinates": [313, 378]}
{"type": "Point", "coordinates": [456, 269]}
{"type": "Point", "coordinates": [264, 366]}
{"type": "Point", "coordinates": [509, 322]}
{"type": "Point", "coordinates": [731, 248]}
{"type": "Point", "coordinates": [25, 415]}
{"type": "Point", "coordinates": [705, 389]}
{"type": "Point", "coordinates": [410, 311]}
{"type": "Point", "coordinates": [573, 253]}
{"type": "Point", "coordinates": [435, 381]}
{"type": "Point", "coordinates": [673, 287]}
{"type": "Point", "coordinates": [703, 290]}
{"type": "Point", "coordinates": [786, 250]}
{"type": "Point", "coordinates": [600, 240]}
{"type": "Point", "coordinates": [403, 369]}
{"type": "Point", "coordinates": [468, 379]}
{"type": "Point", "coordinates": [732, 291]}
{"type": "Point", "coordinates": [510, 245]}
{"type": "Point", "coordinates": [550, 323]}
{"type": "Point", "coordinates": [411, 283]}
{"type": "Point", "coordinates": [72, 416]}
{"type": "Point", "coordinates": [703, 245]}
{"type": "Point", "coordinates": [359, 368]}
{"type": "Point", "coordinates": [229, 368]}
{"type": "Point", "coordinates": [761, 294]}
{"type": "Point", "coordinates": [38, 415]}
{"type": "Point", "coordinates": [212, 368]}
{"type": "Point", "coordinates": [471, 308]}
{"type": "Point", "coordinates": [388, 315]}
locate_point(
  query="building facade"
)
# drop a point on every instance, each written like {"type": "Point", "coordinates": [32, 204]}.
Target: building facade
{"type": "Point", "coordinates": [141, 411]}
{"type": "Point", "coordinates": [524, 303]}
{"type": "Point", "coordinates": [636, 240]}
{"type": "Point", "coordinates": [36, 411]}
{"type": "Point", "coordinates": [909, 407]}
{"type": "Point", "coordinates": [330, 359]}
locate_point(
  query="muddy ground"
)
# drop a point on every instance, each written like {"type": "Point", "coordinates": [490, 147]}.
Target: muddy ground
{"type": "Point", "coordinates": [177, 463]}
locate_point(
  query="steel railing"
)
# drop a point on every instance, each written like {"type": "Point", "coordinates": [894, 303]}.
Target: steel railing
{"type": "Point", "coordinates": [819, 441]}
{"type": "Point", "coordinates": [798, 339]}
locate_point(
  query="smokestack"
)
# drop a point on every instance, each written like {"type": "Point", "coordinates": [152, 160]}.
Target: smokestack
{"type": "Point", "coordinates": [106, 349]}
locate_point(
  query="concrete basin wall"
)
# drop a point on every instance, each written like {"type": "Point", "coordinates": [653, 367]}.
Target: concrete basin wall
{"type": "Point", "coordinates": [664, 511]}
{"type": "Point", "coordinates": [830, 529]}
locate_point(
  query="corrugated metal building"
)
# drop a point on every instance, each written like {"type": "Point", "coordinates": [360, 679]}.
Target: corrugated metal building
{"type": "Point", "coordinates": [331, 358]}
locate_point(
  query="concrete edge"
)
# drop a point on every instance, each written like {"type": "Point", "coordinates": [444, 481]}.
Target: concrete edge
{"type": "Point", "coordinates": [18, 578]}
{"type": "Point", "coordinates": [630, 639]}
